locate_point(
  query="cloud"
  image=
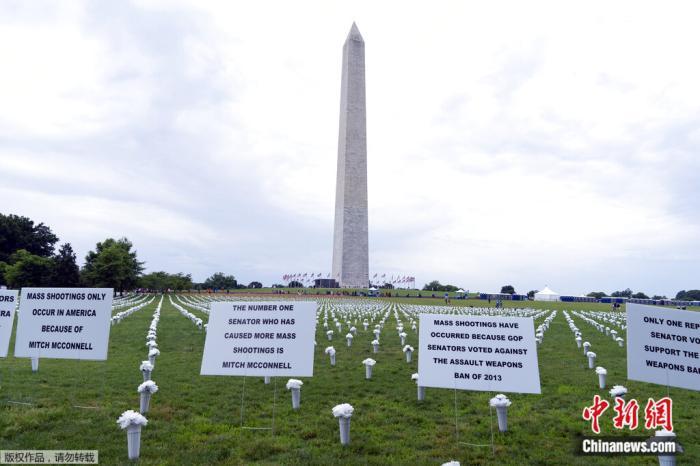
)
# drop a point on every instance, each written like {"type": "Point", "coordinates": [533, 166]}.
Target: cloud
{"type": "Point", "coordinates": [505, 146]}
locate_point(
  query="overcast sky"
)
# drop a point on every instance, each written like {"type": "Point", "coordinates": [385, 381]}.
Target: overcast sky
{"type": "Point", "coordinates": [517, 143]}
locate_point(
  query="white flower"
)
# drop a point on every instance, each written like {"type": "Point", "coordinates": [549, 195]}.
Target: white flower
{"type": "Point", "coordinates": [402, 334]}
{"type": "Point", "coordinates": [407, 348]}
{"type": "Point", "coordinates": [151, 344]}
{"type": "Point", "coordinates": [148, 386]}
{"type": "Point", "coordinates": [369, 362]}
{"type": "Point", "coordinates": [600, 370]}
{"type": "Point", "coordinates": [618, 390]}
{"type": "Point", "coordinates": [330, 332]}
{"type": "Point", "coordinates": [153, 352]}
{"type": "Point", "coordinates": [375, 342]}
{"type": "Point", "coordinates": [146, 366]}
{"type": "Point", "coordinates": [294, 383]}
{"type": "Point", "coordinates": [591, 354]}
{"type": "Point", "coordinates": [499, 400]}
{"type": "Point", "coordinates": [349, 336]}
{"type": "Point", "coordinates": [451, 463]}
{"type": "Point", "coordinates": [330, 350]}
{"type": "Point", "coordinates": [414, 376]}
{"type": "Point", "coordinates": [343, 410]}
{"type": "Point", "coordinates": [131, 418]}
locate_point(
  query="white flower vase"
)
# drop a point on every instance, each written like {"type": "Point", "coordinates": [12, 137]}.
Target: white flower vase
{"type": "Point", "coordinates": [403, 341]}
{"type": "Point", "coordinates": [330, 337]}
{"type": "Point", "coordinates": [365, 325]}
{"type": "Point", "coordinates": [35, 364]}
{"type": "Point", "coordinates": [601, 380]}
{"type": "Point", "coordinates": [349, 342]}
{"type": "Point", "coordinates": [409, 356]}
{"type": "Point", "coordinates": [296, 398]}
{"type": "Point", "coordinates": [145, 402]}
{"type": "Point", "coordinates": [267, 380]}
{"type": "Point", "coordinates": [344, 423]}
{"type": "Point", "coordinates": [586, 347]}
{"type": "Point", "coordinates": [332, 359]}
{"type": "Point", "coordinates": [502, 414]}
{"type": "Point", "coordinates": [421, 393]}
{"type": "Point", "coordinates": [578, 343]}
{"type": "Point", "coordinates": [133, 441]}
{"type": "Point", "coordinates": [666, 460]}
{"type": "Point", "coordinates": [621, 343]}
{"type": "Point", "coordinates": [152, 360]}
{"type": "Point", "coordinates": [368, 372]}
{"type": "Point", "coordinates": [146, 375]}
{"type": "Point", "coordinates": [591, 362]}
{"type": "Point", "coordinates": [375, 349]}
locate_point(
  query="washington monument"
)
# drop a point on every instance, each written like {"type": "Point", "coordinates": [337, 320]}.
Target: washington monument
{"type": "Point", "coordinates": [350, 238]}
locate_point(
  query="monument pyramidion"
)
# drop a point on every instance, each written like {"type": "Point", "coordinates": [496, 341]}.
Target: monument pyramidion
{"type": "Point", "coordinates": [350, 235]}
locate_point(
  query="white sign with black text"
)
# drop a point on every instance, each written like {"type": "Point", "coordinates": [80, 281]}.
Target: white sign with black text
{"type": "Point", "coordinates": [260, 338]}
{"type": "Point", "coordinates": [663, 346]}
{"type": "Point", "coordinates": [8, 302]}
{"type": "Point", "coordinates": [496, 354]}
{"type": "Point", "coordinates": [64, 323]}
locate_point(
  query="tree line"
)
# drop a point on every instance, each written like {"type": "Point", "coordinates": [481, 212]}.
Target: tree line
{"type": "Point", "coordinates": [28, 258]}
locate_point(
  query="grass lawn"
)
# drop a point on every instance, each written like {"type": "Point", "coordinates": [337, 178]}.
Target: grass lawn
{"type": "Point", "coordinates": [198, 419]}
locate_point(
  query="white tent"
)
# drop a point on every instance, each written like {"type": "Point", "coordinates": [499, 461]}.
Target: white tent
{"type": "Point", "coordinates": [547, 295]}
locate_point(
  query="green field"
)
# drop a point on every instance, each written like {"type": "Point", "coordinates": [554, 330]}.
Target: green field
{"type": "Point", "coordinates": [199, 420]}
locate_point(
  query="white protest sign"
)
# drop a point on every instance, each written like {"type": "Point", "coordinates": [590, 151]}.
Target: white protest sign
{"type": "Point", "coordinates": [496, 354]}
{"type": "Point", "coordinates": [8, 302]}
{"type": "Point", "coordinates": [663, 346]}
{"type": "Point", "coordinates": [64, 323]}
{"type": "Point", "coordinates": [260, 338]}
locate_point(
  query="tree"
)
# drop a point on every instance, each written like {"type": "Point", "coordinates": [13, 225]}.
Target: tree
{"type": "Point", "coordinates": [255, 285]}
{"type": "Point", "coordinates": [507, 289]}
{"type": "Point", "coordinates": [295, 284]}
{"type": "Point", "coordinates": [433, 286]}
{"type": "Point", "coordinates": [387, 286]}
{"type": "Point", "coordinates": [161, 281]}
{"type": "Point", "coordinates": [596, 294]}
{"type": "Point", "coordinates": [658, 297]}
{"type": "Point", "coordinates": [531, 294]}
{"type": "Point", "coordinates": [21, 233]}
{"type": "Point", "coordinates": [622, 294]}
{"type": "Point", "coordinates": [220, 281]}
{"type": "Point", "coordinates": [27, 269]}
{"type": "Point", "coordinates": [66, 272]}
{"type": "Point", "coordinates": [690, 295]}
{"type": "Point", "coordinates": [277, 285]}
{"type": "Point", "coordinates": [112, 265]}
{"type": "Point", "coordinates": [640, 295]}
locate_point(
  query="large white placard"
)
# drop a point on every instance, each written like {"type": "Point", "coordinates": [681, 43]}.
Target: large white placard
{"type": "Point", "coordinates": [260, 338]}
{"type": "Point", "coordinates": [64, 323]}
{"type": "Point", "coordinates": [663, 346]}
{"type": "Point", "coordinates": [496, 354]}
{"type": "Point", "coordinates": [8, 302]}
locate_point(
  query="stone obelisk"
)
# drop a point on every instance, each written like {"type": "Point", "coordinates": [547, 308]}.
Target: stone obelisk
{"type": "Point", "coordinates": [350, 236]}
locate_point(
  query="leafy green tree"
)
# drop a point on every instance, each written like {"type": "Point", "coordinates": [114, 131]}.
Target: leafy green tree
{"type": "Point", "coordinates": [596, 294]}
{"type": "Point", "coordinates": [622, 294]}
{"type": "Point", "coordinates": [531, 294]}
{"type": "Point", "coordinates": [21, 233]}
{"type": "Point", "coordinates": [66, 272]}
{"type": "Point", "coordinates": [656, 296]}
{"type": "Point", "coordinates": [220, 281]}
{"type": "Point", "coordinates": [387, 286]}
{"type": "Point", "coordinates": [640, 295]}
{"type": "Point", "coordinates": [435, 285]}
{"type": "Point", "coordinates": [255, 285]}
{"type": "Point", "coordinates": [112, 264]}
{"type": "Point", "coordinates": [295, 284]}
{"type": "Point", "coordinates": [690, 295]}
{"type": "Point", "coordinates": [27, 269]}
{"type": "Point", "coordinates": [161, 281]}
{"type": "Point", "coordinates": [507, 289]}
